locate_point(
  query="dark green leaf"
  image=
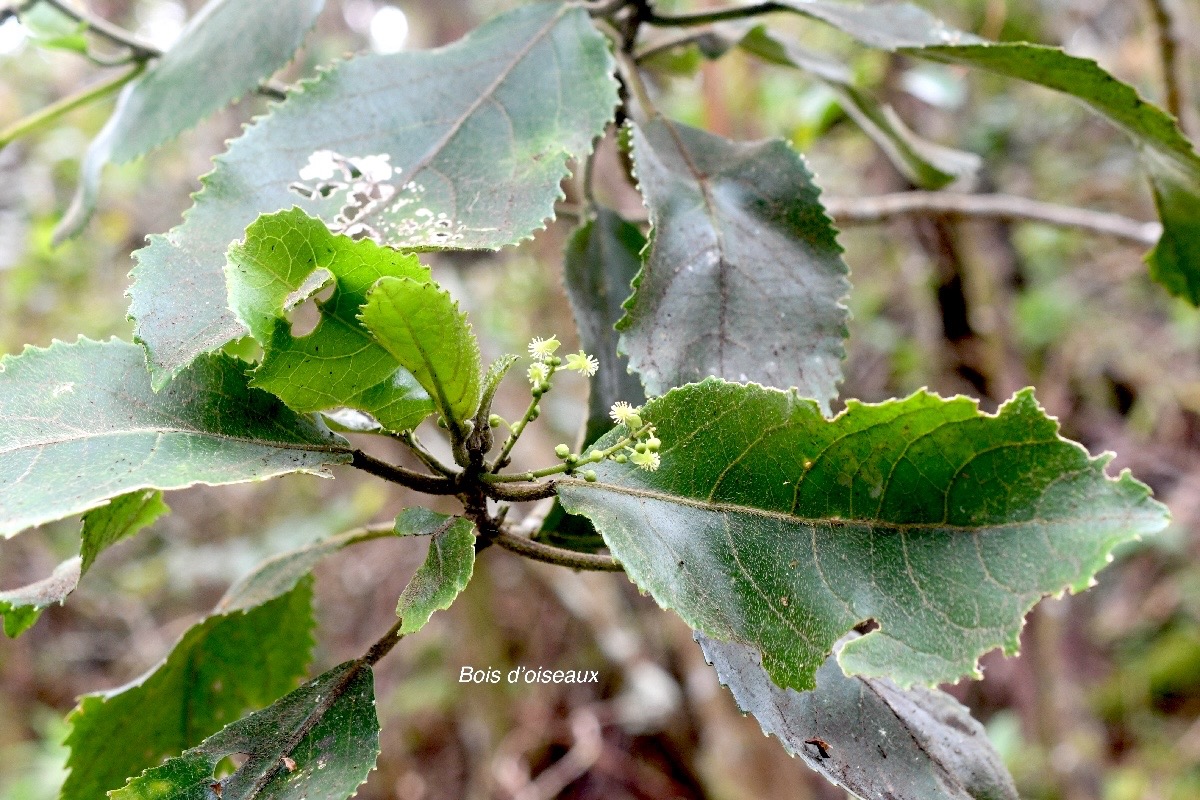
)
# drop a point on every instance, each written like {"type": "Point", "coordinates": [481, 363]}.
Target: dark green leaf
{"type": "Point", "coordinates": [320, 741]}
{"type": "Point", "coordinates": [21, 607]}
{"type": "Point", "coordinates": [82, 425]}
{"type": "Point", "coordinates": [285, 259]}
{"type": "Point", "coordinates": [925, 163]}
{"type": "Point", "coordinates": [478, 135]}
{"type": "Point", "coordinates": [772, 526]}
{"type": "Point", "coordinates": [120, 518]}
{"type": "Point", "coordinates": [865, 734]}
{"type": "Point", "coordinates": [602, 259]}
{"type": "Point", "coordinates": [438, 581]}
{"type": "Point", "coordinates": [419, 521]}
{"type": "Point", "coordinates": [1167, 156]}
{"type": "Point", "coordinates": [220, 668]}
{"type": "Point", "coordinates": [420, 325]}
{"type": "Point", "coordinates": [226, 50]}
{"type": "Point", "coordinates": [744, 277]}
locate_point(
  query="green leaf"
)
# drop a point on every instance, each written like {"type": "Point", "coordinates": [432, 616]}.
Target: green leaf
{"type": "Point", "coordinates": [50, 28]}
{"type": "Point", "coordinates": [438, 581]}
{"type": "Point", "coordinates": [770, 525]}
{"type": "Point", "coordinates": [285, 259]}
{"type": "Point", "coordinates": [744, 277]}
{"type": "Point", "coordinates": [119, 519]}
{"type": "Point", "coordinates": [225, 50]}
{"type": "Point", "coordinates": [280, 574]}
{"type": "Point", "coordinates": [420, 325]}
{"type": "Point", "coordinates": [865, 734]}
{"type": "Point", "coordinates": [82, 425]}
{"type": "Point", "coordinates": [1168, 157]}
{"type": "Point", "coordinates": [418, 521]}
{"type": "Point", "coordinates": [925, 163]}
{"type": "Point", "coordinates": [479, 131]}
{"type": "Point", "coordinates": [21, 607]}
{"type": "Point", "coordinates": [602, 259]}
{"type": "Point", "coordinates": [320, 741]}
{"type": "Point", "coordinates": [219, 669]}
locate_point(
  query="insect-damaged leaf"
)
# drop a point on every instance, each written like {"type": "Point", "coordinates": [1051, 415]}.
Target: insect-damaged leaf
{"type": "Point", "coordinates": [227, 49]}
{"type": "Point", "coordinates": [222, 667]}
{"type": "Point", "coordinates": [82, 425]}
{"type": "Point", "coordinates": [476, 137]}
{"type": "Point", "coordinates": [320, 741]}
{"type": "Point", "coordinates": [771, 526]}
{"type": "Point", "coordinates": [744, 277]}
{"type": "Point", "coordinates": [865, 734]}
{"type": "Point", "coordinates": [285, 259]}
{"type": "Point", "coordinates": [1168, 157]}
{"type": "Point", "coordinates": [420, 325]}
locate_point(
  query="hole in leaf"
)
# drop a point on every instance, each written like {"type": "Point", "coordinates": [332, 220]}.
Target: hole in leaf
{"type": "Point", "coordinates": [229, 765]}
{"type": "Point", "coordinates": [302, 306]}
{"type": "Point", "coordinates": [866, 626]}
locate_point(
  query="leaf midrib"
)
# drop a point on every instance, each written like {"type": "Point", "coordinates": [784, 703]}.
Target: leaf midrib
{"type": "Point", "coordinates": [330, 448]}
{"type": "Point", "coordinates": [827, 522]}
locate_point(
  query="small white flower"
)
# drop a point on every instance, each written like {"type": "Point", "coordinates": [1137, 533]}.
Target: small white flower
{"type": "Point", "coordinates": [647, 461]}
{"type": "Point", "coordinates": [321, 166]}
{"type": "Point", "coordinates": [541, 349]}
{"type": "Point", "coordinates": [623, 414]}
{"type": "Point", "coordinates": [582, 363]}
{"type": "Point", "coordinates": [538, 373]}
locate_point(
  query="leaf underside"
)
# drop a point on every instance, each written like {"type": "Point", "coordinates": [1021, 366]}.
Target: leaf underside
{"type": "Point", "coordinates": [744, 276]}
{"type": "Point", "coordinates": [82, 425]}
{"type": "Point", "coordinates": [320, 741]}
{"type": "Point", "coordinates": [219, 669]}
{"type": "Point", "coordinates": [772, 526]}
{"type": "Point", "coordinates": [478, 134]}
{"type": "Point", "coordinates": [199, 75]}
{"type": "Point", "coordinates": [337, 364]}
{"type": "Point", "coordinates": [865, 734]}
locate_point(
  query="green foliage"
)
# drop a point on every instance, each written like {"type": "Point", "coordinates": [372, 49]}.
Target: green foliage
{"type": "Point", "coordinates": [761, 300]}
{"type": "Point", "coordinates": [287, 258]}
{"type": "Point", "coordinates": [928, 747]}
{"type": "Point", "coordinates": [445, 573]}
{"type": "Point", "coordinates": [421, 327]}
{"type": "Point", "coordinates": [770, 525]}
{"type": "Point", "coordinates": [220, 668]}
{"type": "Point", "coordinates": [319, 741]}
{"type": "Point", "coordinates": [477, 135]}
{"type": "Point", "coordinates": [86, 410]}
{"type": "Point", "coordinates": [120, 518]}
{"type": "Point", "coordinates": [198, 76]}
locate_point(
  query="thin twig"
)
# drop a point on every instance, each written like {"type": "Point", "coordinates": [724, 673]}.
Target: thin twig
{"type": "Point", "coordinates": [429, 484]}
{"type": "Point", "coordinates": [865, 210]}
{"type": "Point", "coordinates": [57, 109]}
{"type": "Point", "coordinates": [670, 43]}
{"type": "Point", "coordinates": [1168, 53]}
{"type": "Point", "coordinates": [718, 15]}
{"type": "Point", "coordinates": [549, 554]}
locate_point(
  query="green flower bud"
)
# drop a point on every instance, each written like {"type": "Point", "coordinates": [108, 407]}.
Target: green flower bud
{"type": "Point", "coordinates": [620, 458]}
{"type": "Point", "coordinates": [495, 421]}
{"type": "Point", "coordinates": [562, 451]}
{"type": "Point", "coordinates": [640, 447]}
{"type": "Point", "coordinates": [653, 443]}
{"type": "Point", "coordinates": [590, 476]}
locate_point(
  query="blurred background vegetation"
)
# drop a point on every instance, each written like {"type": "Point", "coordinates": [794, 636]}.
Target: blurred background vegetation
{"type": "Point", "coordinates": [1104, 701]}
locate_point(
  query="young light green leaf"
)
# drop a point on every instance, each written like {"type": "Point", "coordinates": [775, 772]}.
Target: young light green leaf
{"type": "Point", "coordinates": [219, 669]}
{"type": "Point", "coordinates": [285, 259]}
{"type": "Point", "coordinates": [21, 607]}
{"type": "Point", "coordinates": [468, 142]}
{"type": "Point", "coordinates": [119, 519]}
{"type": "Point", "coordinates": [771, 526]}
{"type": "Point", "coordinates": [867, 735]}
{"type": "Point", "coordinates": [226, 50]}
{"type": "Point", "coordinates": [48, 27]}
{"type": "Point", "coordinates": [420, 325]}
{"type": "Point", "coordinates": [320, 741]}
{"type": "Point", "coordinates": [438, 581]}
{"type": "Point", "coordinates": [744, 277]}
{"type": "Point", "coordinates": [82, 425]}
{"type": "Point", "coordinates": [927, 164]}
{"type": "Point", "coordinates": [602, 259]}
{"type": "Point", "coordinates": [1168, 157]}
